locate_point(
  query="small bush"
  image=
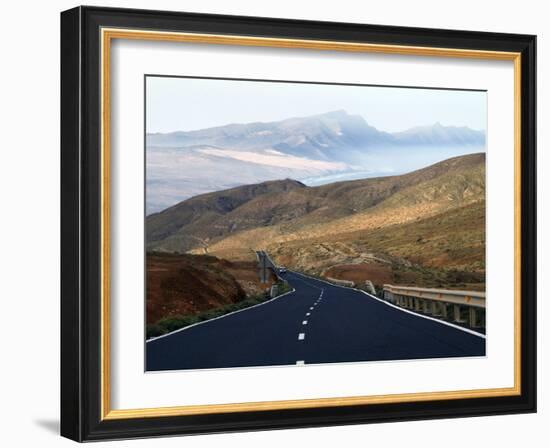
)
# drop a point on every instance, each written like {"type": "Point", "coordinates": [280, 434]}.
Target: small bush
{"type": "Point", "coordinates": [169, 324]}
{"type": "Point", "coordinates": [154, 330]}
{"type": "Point", "coordinates": [283, 288]}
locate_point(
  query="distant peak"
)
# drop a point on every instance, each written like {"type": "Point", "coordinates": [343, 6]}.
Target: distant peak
{"type": "Point", "coordinates": [343, 116]}
{"type": "Point", "coordinates": [336, 113]}
{"type": "Point", "coordinates": [295, 182]}
{"type": "Point", "coordinates": [286, 181]}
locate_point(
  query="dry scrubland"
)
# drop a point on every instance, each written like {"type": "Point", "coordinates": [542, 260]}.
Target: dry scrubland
{"type": "Point", "coordinates": [430, 233]}
{"type": "Point", "coordinates": [444, 250]}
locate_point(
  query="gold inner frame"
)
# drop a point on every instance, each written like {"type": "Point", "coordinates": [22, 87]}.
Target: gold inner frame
{"type": "Point", "coordinates": [107, 35]}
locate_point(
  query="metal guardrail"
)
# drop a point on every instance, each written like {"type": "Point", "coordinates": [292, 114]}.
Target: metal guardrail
{"type": "Point", "coordinates": [265, 264]}
{"type": "Point", "coordinates": [340, 282]}
{"type": "Point", "coordinates": [464, 307]}
{"type": "Point", "coordinates": [370, 287]}
{"type": "Point", "coordinates": [367, 285]}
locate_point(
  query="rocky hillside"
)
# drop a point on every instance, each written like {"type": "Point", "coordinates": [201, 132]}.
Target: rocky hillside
{"type": "Point", "coordinates": [255, 214]}
{"type": "Point", "coordinates": [197, 221]}
{"type": "Point", "coordinates": [392, 227]}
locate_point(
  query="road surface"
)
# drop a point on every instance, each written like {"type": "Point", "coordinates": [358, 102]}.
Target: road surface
{"type": "Point", "coordinates": [317, 323]}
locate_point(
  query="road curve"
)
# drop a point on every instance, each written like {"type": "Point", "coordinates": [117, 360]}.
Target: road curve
{"type": "Point", "coordinates": [317, 323]}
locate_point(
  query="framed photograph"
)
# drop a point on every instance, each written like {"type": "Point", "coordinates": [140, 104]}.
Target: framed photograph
{"type": "Point", "coordinates": [274, 223]}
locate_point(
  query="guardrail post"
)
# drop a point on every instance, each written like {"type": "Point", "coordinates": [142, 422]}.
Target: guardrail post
{"type": "Point", "coordinates": [436, 309]}
{"type": "Point", "coordinates": [457, 317]}
{"type": "Point", "coordinates": [473, 317]}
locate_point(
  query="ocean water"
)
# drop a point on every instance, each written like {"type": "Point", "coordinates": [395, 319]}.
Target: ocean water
{"type": "Point", "coordinates": [388, 161]}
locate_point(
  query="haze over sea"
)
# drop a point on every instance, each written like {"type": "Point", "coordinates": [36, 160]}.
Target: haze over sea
{"type": "Point", "coordinates": [394, 161]}
{"type": "Point", "coordinates": [205, 135]}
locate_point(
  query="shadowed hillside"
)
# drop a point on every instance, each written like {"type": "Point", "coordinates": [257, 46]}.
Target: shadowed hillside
{"type": "Point", "coordinates": [287, 206]}
{"type": "Point", "coordinates": [426, 227]}
{"type": "Point", "coordinates": [191, 223]}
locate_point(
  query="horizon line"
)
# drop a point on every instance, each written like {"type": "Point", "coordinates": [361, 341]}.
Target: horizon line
{"type": "Point", "coordinates": [311, 116]}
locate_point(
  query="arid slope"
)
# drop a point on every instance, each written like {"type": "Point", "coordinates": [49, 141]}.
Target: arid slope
{"type": "Point", "coordinates": [426, 227]}
{"type": "Point", "coordinates": [459, 186]}
{"type": "Point", "coordinates": [288, 210]}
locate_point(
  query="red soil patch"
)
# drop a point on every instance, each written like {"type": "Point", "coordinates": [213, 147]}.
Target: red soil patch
{"type": "Point", "coordinates": [179, 285]}
{"type": "Point", "coordinates": [358, 273]}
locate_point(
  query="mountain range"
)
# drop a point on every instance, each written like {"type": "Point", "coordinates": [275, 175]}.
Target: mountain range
{"type": "Point", "coordinates": [317, 137]}
{"type": "Point", "coordinates": [184, 164]}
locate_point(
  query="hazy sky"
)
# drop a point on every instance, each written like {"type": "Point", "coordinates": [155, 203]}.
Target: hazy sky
{"type": "Point", "coordinates": [183, 104]}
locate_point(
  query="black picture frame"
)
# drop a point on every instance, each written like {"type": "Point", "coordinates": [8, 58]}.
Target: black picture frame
{"type": "Point", "coordinates": [81, 224]}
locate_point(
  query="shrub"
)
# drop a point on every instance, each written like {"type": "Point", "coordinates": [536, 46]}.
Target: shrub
{"type": "Point", "coordinates": [169, 324]}
{"type": "Point", "coordinates": [283, 288]}
{"type": "Point", "coordinates": [154, 330]}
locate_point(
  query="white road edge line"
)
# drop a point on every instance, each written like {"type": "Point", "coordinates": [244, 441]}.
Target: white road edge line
{"type": "Point", "coordinates": [219, 317]}
{"type": "Point", "coordinates": [301, 336]}
{"type": "Point", "coordinates": [449, 324]}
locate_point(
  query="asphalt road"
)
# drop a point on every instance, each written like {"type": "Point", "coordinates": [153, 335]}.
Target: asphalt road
{"type": "Point", "coordinates": [317, 323]}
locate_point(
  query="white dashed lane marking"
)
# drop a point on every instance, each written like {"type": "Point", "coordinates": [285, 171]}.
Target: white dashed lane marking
{"type": "Point", "coordinates": [302, 336]}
